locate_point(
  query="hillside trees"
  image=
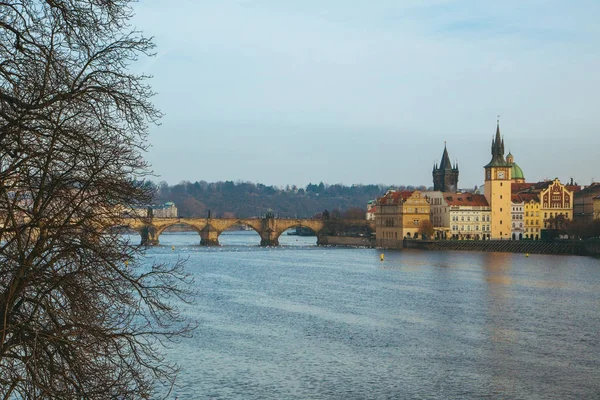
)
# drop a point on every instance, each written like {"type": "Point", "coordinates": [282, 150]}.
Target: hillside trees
{"type": "Point", "coordinates": [246, 199]}
{"type": "Point", "coordinates": [79, 317]}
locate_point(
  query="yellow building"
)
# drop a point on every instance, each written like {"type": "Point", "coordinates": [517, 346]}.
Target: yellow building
{"type": "Point", "coordinates": [497, 190]}
{"type": "Point", "coordinates": [400, 215]}
{"type": "Point", "coordinates": [596, 207]}
{"type": "Point", "coordinates": [555, 199]}
{"type": "Point", "coordinates": [543, 201]}
{"type": "Point", "coordinates": [532, 216]}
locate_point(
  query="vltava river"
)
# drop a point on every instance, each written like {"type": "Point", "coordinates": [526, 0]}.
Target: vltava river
{"type": "Point", "coordinates": [305, 322]}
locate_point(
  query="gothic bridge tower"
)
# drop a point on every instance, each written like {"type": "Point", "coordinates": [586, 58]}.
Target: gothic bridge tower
{"type": "Point", "coordinates": [445, 177]}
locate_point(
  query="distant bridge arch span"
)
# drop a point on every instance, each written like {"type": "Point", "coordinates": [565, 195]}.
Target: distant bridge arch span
{"type": "Point", "coordinates": [209, 229]}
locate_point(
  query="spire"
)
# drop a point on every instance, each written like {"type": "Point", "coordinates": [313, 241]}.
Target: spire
{"type": "Point", "coordinates": [445, 163]}
{"type": "Point", "coordinates": [498, 142]}
{"type": "Point", "coordinates": [497, 147]}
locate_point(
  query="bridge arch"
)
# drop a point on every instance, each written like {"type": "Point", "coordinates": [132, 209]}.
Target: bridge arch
{"type": "Point", "coordinates": [126, 231]}
{"type": "Point", "coordinates": [160, 229]}
{"type": "Point", "coordinates": [256, 227]}
{"type": "Point", "coordinates": [317, 226]}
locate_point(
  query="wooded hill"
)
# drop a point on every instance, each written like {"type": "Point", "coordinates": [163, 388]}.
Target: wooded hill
{"type": "Point", "coordinates": [245, 199]}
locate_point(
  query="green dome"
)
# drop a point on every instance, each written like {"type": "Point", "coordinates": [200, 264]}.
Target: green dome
{"type": "Point", "coordinates": [517, 172]}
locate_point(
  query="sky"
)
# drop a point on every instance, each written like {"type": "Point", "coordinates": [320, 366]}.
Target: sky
{"type": "Point", "coordinates": [368, 91]}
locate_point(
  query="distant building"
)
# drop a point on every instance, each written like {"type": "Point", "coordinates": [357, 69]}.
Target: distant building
{"type": "Point", "coordinates": [543, 201]}
{"type": "Point", "coordinates": [167, 210]}
{"type": "Point", "coordinates": [585, 203]}
{"type": "Point", "coordinates": [517, 222]}
{"type": "Point", "coordinates": [400, 215]}
{"type": "Point", "coordinates": [371, 210]}
{"type": "Point", "coordinates": [463, 216]}
{"type": "Point", "coordinates": [532, 217]}
{"type": "Point", "coordinates": [445, 176]}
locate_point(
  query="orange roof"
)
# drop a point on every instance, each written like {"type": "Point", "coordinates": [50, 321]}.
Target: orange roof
{"type": "Point", "coordinates": [465, 199]}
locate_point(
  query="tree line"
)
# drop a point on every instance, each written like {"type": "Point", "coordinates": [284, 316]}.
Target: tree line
{"type": "Point", "coordinates": [247, 199]}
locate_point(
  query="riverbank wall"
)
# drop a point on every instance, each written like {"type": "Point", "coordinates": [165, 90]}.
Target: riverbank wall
{"type": "Point", "coordinates": [346, 241]}
{"type": "Point", "coordinates": [508, 246]}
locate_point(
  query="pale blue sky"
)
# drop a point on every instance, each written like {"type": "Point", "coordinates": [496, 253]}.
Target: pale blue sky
{"type": "Point", "coordinates": [356, 91]}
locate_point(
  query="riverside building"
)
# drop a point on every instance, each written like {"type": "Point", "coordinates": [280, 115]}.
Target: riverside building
{"type": "Point", "coordinates": [400, 215]}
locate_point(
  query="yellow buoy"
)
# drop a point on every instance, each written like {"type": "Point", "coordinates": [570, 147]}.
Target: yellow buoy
{"type": "Point", "coordinates": [526, 254]}
{"type": "Point", "coordinates": [381, 257]}
{"type": "Point", "coordinates": [172, 247]}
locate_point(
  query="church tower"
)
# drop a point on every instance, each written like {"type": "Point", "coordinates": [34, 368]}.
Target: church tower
{"type": "Point", "coordinates": [498, 189]}
{"type": "Point", "coordinates": [445, 177]}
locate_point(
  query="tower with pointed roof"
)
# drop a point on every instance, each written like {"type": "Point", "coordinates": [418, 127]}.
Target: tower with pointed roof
{"type": "Point", "coordinates": [497, 189]}
{"type": "Point", "coordinates": [445, 176]}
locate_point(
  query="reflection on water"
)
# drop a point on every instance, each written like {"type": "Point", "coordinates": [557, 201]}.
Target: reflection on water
{"type": "Point", "coordinates": [301, 321]}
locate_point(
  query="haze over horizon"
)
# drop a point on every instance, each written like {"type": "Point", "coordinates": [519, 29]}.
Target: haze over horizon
{"type": "Point", "coordinates": [292, 92]}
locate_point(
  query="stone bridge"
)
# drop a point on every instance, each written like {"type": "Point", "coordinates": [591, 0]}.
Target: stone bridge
{"type": "Point", "coordinates": [268, 228]}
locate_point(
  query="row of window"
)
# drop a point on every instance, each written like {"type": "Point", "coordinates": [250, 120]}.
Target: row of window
{"type": "Point", "coordinates": [485, 228]}
{"type": "Point", "coordinates": [476, 218]}
{"type": "Point", "coordinates": [532, 222]}
{"type": "Point", "coordinates": [390, 235]}
{"type": "Point", "coordinates": [557, 205]}
{"type": "Point", "coordinates": [532, 230]}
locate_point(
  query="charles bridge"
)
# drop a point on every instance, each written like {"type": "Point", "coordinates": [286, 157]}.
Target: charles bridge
{"type": "Point", "coordinates": [269, 228]}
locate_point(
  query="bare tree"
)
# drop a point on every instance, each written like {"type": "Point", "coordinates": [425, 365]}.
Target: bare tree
{"type": "Point", "coordinates": [426, 229]}
{"type": "Point", "coordinates": [80, 314]}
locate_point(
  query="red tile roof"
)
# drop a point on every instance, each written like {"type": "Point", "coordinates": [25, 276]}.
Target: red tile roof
{"type": "Point", "coordinates": [465, 199]}
{"type": "Point", "coordinates": [518, 187]}
{"type": "Point", "coordinates": [527, 197]}
{"type": "Point", "coordinates": [393, 197]}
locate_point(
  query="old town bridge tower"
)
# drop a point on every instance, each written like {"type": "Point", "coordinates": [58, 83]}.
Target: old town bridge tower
{"type": "Point", "coordinates": [445, 176]}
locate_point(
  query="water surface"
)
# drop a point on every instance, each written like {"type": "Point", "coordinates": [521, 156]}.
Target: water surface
{"type": "Point", "coordinates": [306, 322]}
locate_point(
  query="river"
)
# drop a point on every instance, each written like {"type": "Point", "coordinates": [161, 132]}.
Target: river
{"type": "Point", "coordinates": [306, 322]}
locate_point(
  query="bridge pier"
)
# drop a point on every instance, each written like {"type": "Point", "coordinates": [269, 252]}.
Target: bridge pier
{"type": "Point", "coordinates": [322, 239]}
{"type": "Point", "coordinates": [269, 237]}
{"type": "Point", "coordinates": [209, 236]}
{"type": "Point", "coordinates": [149, 236]}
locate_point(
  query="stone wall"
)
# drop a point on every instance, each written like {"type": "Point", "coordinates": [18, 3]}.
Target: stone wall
{"type": "Point", "coordinates": [508, 246]}
{"type": "Point", "coordinates": [346, 241]}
